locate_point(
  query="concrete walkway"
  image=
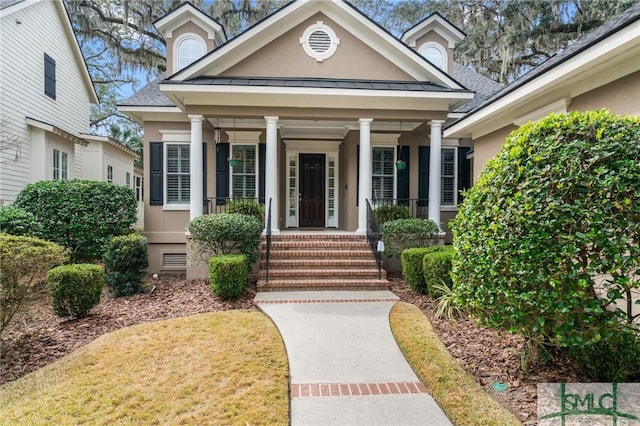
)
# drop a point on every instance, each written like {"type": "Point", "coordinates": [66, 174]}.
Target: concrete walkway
{"type": "Point", "coordinates": [346, 368]}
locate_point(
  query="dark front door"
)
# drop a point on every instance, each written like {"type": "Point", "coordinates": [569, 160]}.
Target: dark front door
{"type": "Point", "coordinates": [311, 190]}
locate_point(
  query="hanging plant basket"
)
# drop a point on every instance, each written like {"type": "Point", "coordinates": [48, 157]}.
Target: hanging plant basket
{"type": "Point", "coordinates": [234, 162]}
{"type": "Point", "coordinates": [400, 165]}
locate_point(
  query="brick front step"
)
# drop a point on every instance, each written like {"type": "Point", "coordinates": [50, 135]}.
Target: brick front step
{"type": "Point", "coordinates": [320, 262]}
{"type": "Point", "coordinates": [328, 263]}
{"type": "Point", "coordinates": [322, 284]}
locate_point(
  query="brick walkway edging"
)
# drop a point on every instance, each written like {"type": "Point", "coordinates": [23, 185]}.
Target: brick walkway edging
{"type": "Point", "coordinates": [280, 302]}
{"type": "Point", "coordinates": [312, 390]}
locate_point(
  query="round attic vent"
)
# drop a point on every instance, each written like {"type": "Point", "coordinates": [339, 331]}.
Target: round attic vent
{"type": "Point", "coordinates": [319, 41]}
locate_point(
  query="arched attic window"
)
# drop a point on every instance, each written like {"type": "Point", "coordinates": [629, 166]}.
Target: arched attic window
{"type": "Point", "coordinates": [188, 49]}
{"type": "Point", "coordinates": [435, 54]}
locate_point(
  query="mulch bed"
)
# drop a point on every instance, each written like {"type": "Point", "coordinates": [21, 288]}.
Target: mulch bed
{"type": "Point", "coordinates": [37, 337]}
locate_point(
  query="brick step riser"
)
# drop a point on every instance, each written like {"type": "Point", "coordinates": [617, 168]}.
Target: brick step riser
{"type": "Point", "coordinates": [321, 285]}
{"type": "Point", "coordinates": [318, 275]}
{"type": "Point", "coordinates": [318, 264]}
{"type": "Point", "coordinates": [307, 237]}
{"type": "Point", "coordinates": [318, 249]}
{"type": "Point", "coordinates": [353, 255]}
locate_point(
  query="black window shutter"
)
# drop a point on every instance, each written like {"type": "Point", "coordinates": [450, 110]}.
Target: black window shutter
{"type": "Point", "coordinates": [222, 173]}
{"type": "Point", "coordinates": [49, 76]}
{"type": "Point", "coordinates": [464, 171]}
{"type": "Point", "coordinates": [156, 196]}
{"type": "Point", "coordinates": [423, 173]}
{"type": "Point", "coordinates": [357, 175]}
{"type": "Point", "coordinates": [402, 183]}
{"type": "Point", "coordinates": [262, 162]}
{"type": "Point", "coordinates": [204, 176]}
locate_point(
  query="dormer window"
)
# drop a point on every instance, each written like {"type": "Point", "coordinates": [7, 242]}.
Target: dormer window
{"type": "Point", "coordinates": [435, 54]}
{"type": "Point", "coordinates": [188, 49]}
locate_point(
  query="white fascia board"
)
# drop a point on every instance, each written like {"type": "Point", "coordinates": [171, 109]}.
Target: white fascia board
{"type": "Point", "coordinates": [545, 83]}
{"type": "Point", "coordinates": [16, 7]}
{"type": "Point", "coordinates": [77, 53]}
{"type": "Point", "coordinates": [314, 91]}
{"type": "Point", "coordinates": [56, 131]}
{"type": "Point", "coordinates": [168, 23]}
{"type": "Point", "coordinates": [140, 114]}
{"type": "Point", "coordinates": [257, 37]}
{"type": "Point", "coordinates": [266, 29]}
{"type": "Point", "coordinates": [436, 23]}
{"type": "Point", "coordinates": [108, 140]}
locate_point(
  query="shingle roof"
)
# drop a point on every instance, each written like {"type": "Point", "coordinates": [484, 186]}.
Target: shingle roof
{"type": "Point", "coordinates": [612, 26]}
{"type": "Point", "coordinates": [322, 83]}
{"type": "Point", "coordinates": [6, 3]}
{"type": "Point", "coordinates": [483, 86]}
{"type": "Point", "coordinates": [149, 95]}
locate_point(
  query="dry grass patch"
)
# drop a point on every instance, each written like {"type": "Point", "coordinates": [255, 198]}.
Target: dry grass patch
{"type": "Point", "coordinates": [464, 402]}
{"type": "Point", "coordinates": [218, 368]}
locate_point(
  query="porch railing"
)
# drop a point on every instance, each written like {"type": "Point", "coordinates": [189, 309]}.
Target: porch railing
{"type": "Point", "coordinates": [268, 237]}
{"type": "Point", "coordinates": [418, 207]}
{"type": "Point", "coordinates": [373, 237]}
{"type": "Point", "coordinates": [213, 205]}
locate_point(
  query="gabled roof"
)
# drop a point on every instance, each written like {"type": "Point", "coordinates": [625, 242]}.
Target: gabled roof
{"type": "Point", "coordinates": [483, 86]}
{"type": "Point", "coordinates": [439, 24]}
{"type": "Point", "coordinates": [188, 12]}
{"type": "Point", "coordinates": [344, 14]}
{"type": "Point", "coordinates": [8, 7]}
{"type": "Point", "coordinates": [628, 19]}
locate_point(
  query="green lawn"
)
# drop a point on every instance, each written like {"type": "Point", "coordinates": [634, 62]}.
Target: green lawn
{"type": "Point", "coordinates": [217, 368]}
{"type": "Point", "coordinates": [455, 391]}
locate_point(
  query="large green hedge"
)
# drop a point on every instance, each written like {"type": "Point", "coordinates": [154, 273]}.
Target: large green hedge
{"type": "Point", "coordinates": [553, 216]}
{"type": "Point", "coordinates": [401, 234]}
{"type": "Point", "coordinates": [226, 233]}
{"type": "Point", "coordinates": [79, 214]}
{"type": "Point", "coordinates": [24, 261]}
{"type": "Point", "coordinates": [17, 221]}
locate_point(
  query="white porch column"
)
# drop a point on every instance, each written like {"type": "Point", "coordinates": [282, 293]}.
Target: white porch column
{"type": "Point", "coordinates": [435, 165]}
{"type": "Point", "coordinates": [364, 182]}
{"type": "Point", "coordinates": [195, 167]}
{"type": "Point", "coordinates": [271, 173]}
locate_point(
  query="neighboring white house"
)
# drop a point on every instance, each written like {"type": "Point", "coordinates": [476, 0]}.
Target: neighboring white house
{"type": "Point", "coordinates": [45, 98]}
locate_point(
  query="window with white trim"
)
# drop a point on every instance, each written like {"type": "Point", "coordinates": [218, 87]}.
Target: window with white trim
{"type": "Point", "coordinates": [127, 179]}
{"type": "Point", "coordinates": [138, 181]}
{"type": "Point", "coordinates": [382, 173]}
{"type": "Point", "coordinates": [435, 54]}
{"type": "Point", "coordinates": [448, 177]}
{"type": "Point", "coordinates": [189, 50]}
{"type": "Point", "coordinates": [49, 76]}
{"type": "Point", "coordinates": [60, 164]}
{"type": "Point", "coordinates": [177, 175]}
{"type": "Point", "coordinates": [244, 176]}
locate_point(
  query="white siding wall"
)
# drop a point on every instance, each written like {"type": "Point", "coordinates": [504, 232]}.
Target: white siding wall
{"type": "Point", "coordinates": [22, 49]}
{"type": "Point", "coordinates": [121, 163]}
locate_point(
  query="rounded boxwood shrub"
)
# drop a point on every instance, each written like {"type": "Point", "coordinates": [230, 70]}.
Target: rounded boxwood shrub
{"type": "Point", "coordinates": [391, 212]}
{"type": "Point", "coordinates": [436, 269]}
{"type": "Point", "coordinates": [401, 234]}
{"type": "Point", "coordinates": [75, 288]}
{"type": "Point", "coordinates": [125, 261]}
{"type": "Point", "coordinates": [249, 207]}
{"type": "Point", "coordinates": [24, 261]}
{"type": "Point", "coordinates": [229, 274]}
{"type": "Point", "coordinates": [79, 214]}
{"type": "Point", "coordinates": [17, 221]}
{"type": "Point", "coordinates": [226, 233]}
{"type": "Point", "coordinates": [554, 216]}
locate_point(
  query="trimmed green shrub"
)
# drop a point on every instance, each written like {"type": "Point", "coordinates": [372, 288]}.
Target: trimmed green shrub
{"type": "Point", "coordinates": [125, 262]}
{"type": "Point", "coordinates": [226, 233]}
{"type": "Point", "coordinates": [229, 274]}
{"type": "Point", "coordinates": [79, 214]}
{"type": "Point", "coordinates": [556, 210]}
{"type": "Point", "coordinates": [249, 207]}
{"type": "Point", "coordinates": [401, 234]}
{"type": "Point", "coordinates": [75, 289]}
{"type": "Point", "coordinates": [17, 221]}
{"type": "Point", "coordinates": [24, 261]}
{"type": "Point", "coordinates": [436, 268]}
{"type": "Point", "coordinates": [411, 260]}
{"type": "Point", "coordinates": [391, 212]}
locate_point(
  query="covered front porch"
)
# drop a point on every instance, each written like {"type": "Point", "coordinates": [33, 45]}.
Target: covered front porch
{"type": "Point", "coordinates": [318, 174]}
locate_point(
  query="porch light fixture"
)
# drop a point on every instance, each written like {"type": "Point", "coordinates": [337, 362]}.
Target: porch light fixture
{"type": "Point", "coordinates": [400, 163]}
{"type": "Point", "coordinates": [216, 134]}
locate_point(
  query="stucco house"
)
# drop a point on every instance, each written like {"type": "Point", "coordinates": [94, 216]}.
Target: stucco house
{"type": "Point", "coordinates": [45, 98]}
{"type": "Point", "coordinates": [316, 103]}
{"type": "Point", "coordinates": [600, 70]}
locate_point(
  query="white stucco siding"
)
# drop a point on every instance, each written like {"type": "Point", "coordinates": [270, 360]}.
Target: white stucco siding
{"type": "Point", "coordinates": [25, 36]}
